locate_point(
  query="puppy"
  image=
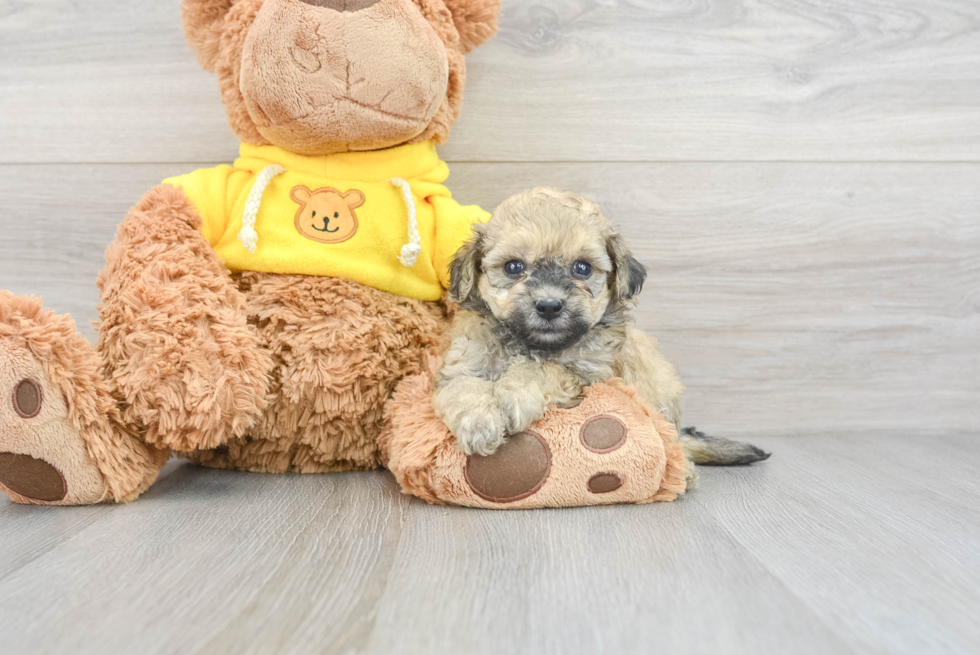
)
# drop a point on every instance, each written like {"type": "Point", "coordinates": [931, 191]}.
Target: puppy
{"type": "Point", "coordinates": [545, 290]}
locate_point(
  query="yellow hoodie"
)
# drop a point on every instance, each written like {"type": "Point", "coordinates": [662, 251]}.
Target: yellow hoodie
{"type": "Point", "coordinates": [382, 218]}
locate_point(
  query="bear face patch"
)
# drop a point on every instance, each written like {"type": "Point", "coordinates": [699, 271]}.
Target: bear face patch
{"type": "Point", "coordinates": [326, 215]}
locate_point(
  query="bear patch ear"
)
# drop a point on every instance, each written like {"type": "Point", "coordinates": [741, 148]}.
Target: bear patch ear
{"type": "Point", "coordinates": [476, 20]}
{"type": "Point", "coordinates": [300, 195]}
{"type": "Point", "coordinates": [203, 24]}
{"type": "Point", "coordinates": [354, 198]}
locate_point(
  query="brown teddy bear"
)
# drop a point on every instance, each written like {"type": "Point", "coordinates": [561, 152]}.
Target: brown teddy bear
{"type": "Point", "coordinates": [258, 316]}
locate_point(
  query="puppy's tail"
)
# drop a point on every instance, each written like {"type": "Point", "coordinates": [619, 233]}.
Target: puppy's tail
{"type": "Point", "coordinates": [715, 451]}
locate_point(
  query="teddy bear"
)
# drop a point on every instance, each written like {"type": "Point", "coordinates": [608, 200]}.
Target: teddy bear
{"type": "Point", "coordinates": [258, 316]}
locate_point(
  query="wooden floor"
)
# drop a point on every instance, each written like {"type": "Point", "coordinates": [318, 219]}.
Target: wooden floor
{"type": "Point", "coordinates": [801, 177]}
{"type": "Point", "coordinates": [835, 545]}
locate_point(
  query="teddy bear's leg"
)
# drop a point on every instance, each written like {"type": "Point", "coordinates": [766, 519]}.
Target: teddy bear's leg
{"type": "Point", "coordinates": [61, 440]}
{"type": "Point", "coordinates": [174, 338]}
{"type": "Point", "coordinates": [339, 349]}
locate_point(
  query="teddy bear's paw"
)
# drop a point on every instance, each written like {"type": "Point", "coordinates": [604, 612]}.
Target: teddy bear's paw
{"type": "Point", "coordinates": [523, 464]}
{"type": "Point", "coordinates": [481, 432]}
{"type": "Point", "coordinates": [43, 459]}
{"type": "Point", "coordinates": [601, 448]}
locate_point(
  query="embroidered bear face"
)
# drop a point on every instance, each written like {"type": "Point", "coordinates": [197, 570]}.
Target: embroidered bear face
{"type": "Point", "coordinates": [326, 215]}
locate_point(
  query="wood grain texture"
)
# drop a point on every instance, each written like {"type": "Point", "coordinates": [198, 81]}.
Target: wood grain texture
{"type": "Point", "coordinates": [565, 80]}
{"type": "Point", "coordinates": [795, 298]}
{"type": "Point", "coordinates": [863, 523]}
{"type": "Point", "coordinates": [835, 545]}
{"type": "Point", "coordinates": [798, 293]}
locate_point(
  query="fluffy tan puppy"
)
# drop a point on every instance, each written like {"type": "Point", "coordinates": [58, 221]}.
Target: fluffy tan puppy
{"type": "Point", "coordinates": [546, 289]}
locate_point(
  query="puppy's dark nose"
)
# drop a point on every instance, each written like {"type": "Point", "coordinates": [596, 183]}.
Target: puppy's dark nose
{"type": "Point", "coordinates": [549, 309]}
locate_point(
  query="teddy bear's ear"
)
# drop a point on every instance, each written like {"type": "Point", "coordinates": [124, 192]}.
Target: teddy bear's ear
{"type": "Point", "coordinates": [203, 23]}
{"type": "Point", "coordinates": [476, 20]}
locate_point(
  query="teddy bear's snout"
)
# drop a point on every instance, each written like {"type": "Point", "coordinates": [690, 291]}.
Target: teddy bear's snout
{"type": "Point", "coordinates": [342, 5]}
{"type": "Point", "coordinates": [360, 74]}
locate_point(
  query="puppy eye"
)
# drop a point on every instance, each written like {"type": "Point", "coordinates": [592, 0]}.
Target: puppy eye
{"type": "Point", "coordinates": [514, 268]}
{"type": "Point", "coordinates": [582, 269]}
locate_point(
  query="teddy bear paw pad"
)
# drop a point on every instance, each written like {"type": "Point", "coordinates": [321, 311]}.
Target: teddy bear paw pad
{"type": "Point", "coordinates": [603, 434]}
{"type": "Point", "coordinates": [43, 459]}
{"type": "Point", "coordinates": [603, 483]}
{"type": "Point", "coordinates": [32, 478]}
{"type": "Point", "coordinates": [518, 469]}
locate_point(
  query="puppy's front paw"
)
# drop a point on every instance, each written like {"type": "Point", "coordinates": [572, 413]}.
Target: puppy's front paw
{"type": "Point", "coordinates": [520, 410]}
{"type": "Point", "coordinates": [481, 433]}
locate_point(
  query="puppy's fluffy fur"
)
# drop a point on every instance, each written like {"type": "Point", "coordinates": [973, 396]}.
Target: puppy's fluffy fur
{"type": "Point", "coordinates": [545, 289]}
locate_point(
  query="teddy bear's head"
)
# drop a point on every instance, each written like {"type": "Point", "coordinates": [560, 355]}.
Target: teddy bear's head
{"type": "Point", "coordinates": [317, 77]}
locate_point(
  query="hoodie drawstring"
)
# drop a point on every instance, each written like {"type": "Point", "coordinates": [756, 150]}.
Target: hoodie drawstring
{"type": "Point", "coordinates": [248, 236]}
{"type": "Point", "coordinates": [412, 249]}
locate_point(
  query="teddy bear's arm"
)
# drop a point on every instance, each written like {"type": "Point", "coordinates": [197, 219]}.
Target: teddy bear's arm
{"type": "Point", "coordinates": [174, 336]}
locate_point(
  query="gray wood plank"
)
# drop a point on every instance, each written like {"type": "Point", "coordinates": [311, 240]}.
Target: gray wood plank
{"type": "Point", "coordinates": [565, 80]}
{"type": "Point", "coordinates": [29, 534]}
{"type": "Point", "coordinates": [273, 563]}
{"type": "Point", "coordinates": [880, 535]}
{"type": "Point", "coordinates": [837, 544]}
{"type": "Point", "coordinates": [794, 297]}
{"type": "Point", "coordinates": [628, 579]}
{"type": "Point", "coordinates": [222, 562]}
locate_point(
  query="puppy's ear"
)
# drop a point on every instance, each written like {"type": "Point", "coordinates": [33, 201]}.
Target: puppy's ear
{"type": "Point", "coordinates": [464, 271]}
{"type": "Point", "coordinates": [630, 274]}
{"type": "Point", "coordinates": [476, 20]}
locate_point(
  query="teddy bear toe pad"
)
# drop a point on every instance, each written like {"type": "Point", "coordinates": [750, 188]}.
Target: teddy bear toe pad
{"type": "Point", "coordinates": [603, 434]}
{"type": "Point", "coordinates": [603, 483]}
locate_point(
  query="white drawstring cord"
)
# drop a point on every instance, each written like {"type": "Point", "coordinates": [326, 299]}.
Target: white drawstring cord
{"type": "Point", "coordinates": [412, 249]}
{"type": "Point", "coordinates": [248, 236]}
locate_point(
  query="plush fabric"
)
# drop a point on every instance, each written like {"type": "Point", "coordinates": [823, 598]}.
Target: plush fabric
{"type": "Point", "coordinates": [346, 116]}
{"type": "Point", "coordinates": [611, 448]}
{"type": "Point", "coordinates": [371, 232]}
{"type": "Point", "coordinates": [174, 338]}
{"type": "Point", "coordinates": [77, 429]}
{"type": "Point", "coordinates": [266, 368]}
{"type": "Point", "coordinates": [339, 349]}
{"type": "Point", "coordinates": [381, 83]}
